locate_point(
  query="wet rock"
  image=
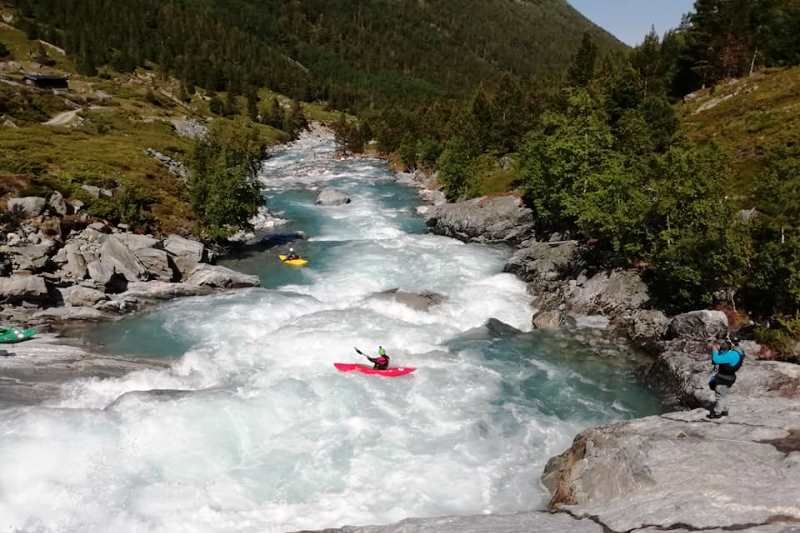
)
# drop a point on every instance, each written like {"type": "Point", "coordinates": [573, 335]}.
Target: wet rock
{"type": "Point", "coordinates": [218, 277]}
{"type": "Point", "coordinates": [185, 253]}
{"type": "Point", "coordinates": [161, 290]}
{"type": "Point", "coordinates": [532, 522]}
{"type": "Point", "coordinates": [77, 296]}
{"type": "Point", "coordinates": [486, 220]}
{"type": "Point", "coordinates": [699, 325]}
{"type": "Point", "coordinates": [19, 289]}
{"type": "Point", "coordinates": [156, 263]}
{"type": "Point", "coordinates": [548, 320]}
{"type": "Point", "coordinates": [29, 206]}
{"type": "Point", "coordinates": [535, 262]}
{"type": "Point", "coordinates": [417, 301]}
{"type": "Point", "coordinates": [332, 197]}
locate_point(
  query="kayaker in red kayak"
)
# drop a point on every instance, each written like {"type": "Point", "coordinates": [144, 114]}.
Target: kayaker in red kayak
{"type": "Point", "coordinates": [381, 362]}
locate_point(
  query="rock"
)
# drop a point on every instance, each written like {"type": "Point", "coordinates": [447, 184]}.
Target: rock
{"type": "Point", "coordinates": [190, 128]}
{"type": "Point", "coordinates": [531, 522]}
{"type": "Point", "coordinates": [32, 258]}
{"type": "Point", "coordinates": [682, 470]}
{"type": "Point", "coordinates": [18, 289]}
{"type": "Point", "coordinates": [218, 277]}
{"type": "Point", "coordinates": [609, 293]}
{"type": "Point", "coordinates": [173, 166]}
{"type": "Point", "coordinates": [185, 253]}
{"type": "Point", "coordinates": [72, 313]}
{"type": "Point", "coordinates": [156, 263]}
{"type": "Point", "coordinates": [77, 296]}
{"type": "Point", "coordinates": [76, 205]}
{"type": "Point", "coordinates": [57, 203]}
{"type": "Point", "coordinates": [75, 268]}
{"type": "Point", "coordinates": [161, 290]}
{"type": "Point", "coordinates": [699, 325]}
{"type": "Point", "coordinates": [646, 327]}
{"type": "Point", "coordinates": [419, 302]}
{"type": "Point", "coordinates": [535, 262]}
{"type": "Point", "coordinates": [136, 242]}
{"type": "Point", "coordinates": [29, 206]}
{"type": "Point", "coordinates": [486, 220]}
{"type": "Point", "coordinates": [97, 192]}
{"type": "Point", "coordinates": [100, 272]}
{"type": "Point", "coordinates": [491, 329]}
{"type": "Point", "coordinates": [118, 257]}
{"type": "Point", "coordinates": [332, 197]}
{"type": "Point", "coordinates": [548, 320]}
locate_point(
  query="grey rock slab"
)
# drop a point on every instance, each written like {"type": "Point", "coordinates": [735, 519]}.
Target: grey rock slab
{"type": "Point", "coordinates": [65, 314]}
{"type": "Point", "coordinates": [486, 220]}
{"type": "Point", "coordinates": [548, 320]}
{"type": "Point", "coordinates": [100, 272]}
{"type": "Point", "coordinates": [609, 293]}
{"type": "Point", "coordinates": [75, 267]}
{"type": "Point", "coordinates": [186, 253]}
{"type": "Point", "coordinates": [332, 197]}
{"type": "Point", "coordinates": [160, 290]}
{"type": "Point", "coordinates": [543, 261]}
{"type": "Point", "coordinates": [218, 277]}
{"type": "Point", "coordinates": [683, 470]}
{"type": "Point", "coordinates": [115, 255]}
{"type": "Point", "coordinates": [77, 296]}
{"type": "Point", "coordinates": [136, 242]}
{"type": "Point", "coordinates": [647, 326]}
{"type": "Point", "coordinates": [57, 203]}
{"type": "Point", "coordinates": [699, 325]}
{"type": "Point", "coordinates": [18, 289]}
{"type": "Point", "coordinates": [33, 257]}
{"type": "Point", "coordinates": [531, 522]}
{"type": "Point", "coordinates": [156, 263]}
{"type": "Point", "coordinates": [29, 206]}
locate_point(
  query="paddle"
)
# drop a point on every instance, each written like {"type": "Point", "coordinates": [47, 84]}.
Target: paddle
{"type": "Point", "coordinates": [359, 352]}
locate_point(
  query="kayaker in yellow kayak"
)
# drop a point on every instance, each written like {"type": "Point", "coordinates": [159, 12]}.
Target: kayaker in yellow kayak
{"type": "Point", "coordinates": [291, 256]}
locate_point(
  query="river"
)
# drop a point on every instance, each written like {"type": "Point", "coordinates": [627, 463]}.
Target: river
{"type": "Point", "coordinates": [252, 429]}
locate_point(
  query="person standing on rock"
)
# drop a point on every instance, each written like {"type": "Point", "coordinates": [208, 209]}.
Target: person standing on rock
{"type": "Point", "coordinates": [727, 361]}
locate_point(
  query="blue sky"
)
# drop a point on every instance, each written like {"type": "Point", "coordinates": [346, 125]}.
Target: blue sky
{"type": "Point", "coordinates": [630, 20]}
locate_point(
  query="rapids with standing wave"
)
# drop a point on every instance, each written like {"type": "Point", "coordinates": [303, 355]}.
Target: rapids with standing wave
{"type": "Point", "coordinates": [252, 429]}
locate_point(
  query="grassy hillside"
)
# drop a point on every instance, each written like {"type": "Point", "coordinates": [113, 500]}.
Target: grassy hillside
{"type": "Point", "coordinates": [109, 121]}
{"type": "Point", "coordinates": [749, 118]}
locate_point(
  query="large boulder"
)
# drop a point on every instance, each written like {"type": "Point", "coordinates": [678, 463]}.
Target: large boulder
{"type": "Point", "coordinates": [19, 289]}
{"type": "Point", "coordinates": [75, 267]}
{"type": "Point", "coordinates": [332, 197]}
{"type": "Point", "coordinates": [57, 203]}
{"type": "Point", "coordinates": [418, 301]}
{"type": "Point", "coordinates": [681, 470]}
{"type": "Point", "coordinates": [646, 327]}
{"type": "Point", "coordinates": [537, 262]}
{"type": "Point", "coordinates": [486, 220]}
{"type": "Point", "coordinates": [185, 253]}
{"type": "Point", "coordinates": [609, 293]}
{"type": "Point", "coordinates": [549, 320]}
{"type": "Point", "coordinates": [156, 262]}
{"type": "Point", "coordinates": [118, 257]}
{"type": "Point", "coordinates": [29, 206]}
{"type": "Point", "coordinates": [136, 242]}
{"type": "Point", "coordinates": [77, 296]}
{"type": "Point", "coordinates": [218, 277]}
{"type": "Point", "coordinates": [100, 272]}
{"type": "Point", "coordinates": [699, 325]}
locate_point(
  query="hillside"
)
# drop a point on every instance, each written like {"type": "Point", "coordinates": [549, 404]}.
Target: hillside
{"type": "Point", "coordinates": [351, 53]}
{"type": "Point", "coordinates": [750, 118]}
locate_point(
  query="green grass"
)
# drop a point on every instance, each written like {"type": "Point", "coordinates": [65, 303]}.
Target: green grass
{"type": "Point", "coordinates": [757, 116]}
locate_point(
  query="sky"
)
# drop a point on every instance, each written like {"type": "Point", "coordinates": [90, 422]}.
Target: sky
{"type": "Point", "coordinates": [630, 20]}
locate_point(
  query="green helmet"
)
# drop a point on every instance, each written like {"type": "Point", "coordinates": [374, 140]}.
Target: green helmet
{"type": "Point", "coordinates": [381, 351]}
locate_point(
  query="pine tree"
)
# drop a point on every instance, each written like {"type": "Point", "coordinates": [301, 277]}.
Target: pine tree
{"type": "Point", "coordinates": [581, 71]}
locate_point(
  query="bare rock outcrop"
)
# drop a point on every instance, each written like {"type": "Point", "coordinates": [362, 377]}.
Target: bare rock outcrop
{"type": "Point", "coordinates": [486, 220]}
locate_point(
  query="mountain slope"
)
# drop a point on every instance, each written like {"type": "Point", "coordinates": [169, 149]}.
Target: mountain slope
{"type": "Point", "coordinates": [353, 52]}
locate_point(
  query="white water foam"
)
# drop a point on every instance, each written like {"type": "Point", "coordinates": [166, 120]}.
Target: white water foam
{"type": "Point", "coordinates": [268, 437]}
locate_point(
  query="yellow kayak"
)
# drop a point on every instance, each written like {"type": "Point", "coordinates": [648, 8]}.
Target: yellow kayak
{"type": "Point", "coordinates": [294, 262]}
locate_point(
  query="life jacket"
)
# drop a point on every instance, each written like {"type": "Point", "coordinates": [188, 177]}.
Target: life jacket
{"type": "Point", "coordinates": [730, 370]}
{"type": "Point", "coordinates": [381, 362]}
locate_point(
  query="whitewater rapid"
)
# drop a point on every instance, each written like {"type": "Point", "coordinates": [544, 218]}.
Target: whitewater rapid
{"type": "Point", "coordinates": [252, 429]}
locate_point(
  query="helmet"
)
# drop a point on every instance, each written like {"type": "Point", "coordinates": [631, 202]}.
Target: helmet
{"type": "Point", "coordinates": [726, 346]}
{"type": "Point", "coordinates": [381, 351]}
{"type": "Point", "coordinates": [291, 249]}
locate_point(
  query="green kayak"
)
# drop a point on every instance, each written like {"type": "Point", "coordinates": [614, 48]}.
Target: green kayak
{"type": "Point", "coordinates": [12, 335]}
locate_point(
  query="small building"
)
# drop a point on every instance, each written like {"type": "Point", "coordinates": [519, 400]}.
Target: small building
{"type": "Point", "coordinates": [47, 81]}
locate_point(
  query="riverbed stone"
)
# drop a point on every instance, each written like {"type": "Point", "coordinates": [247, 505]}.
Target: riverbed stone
{"type": "Point", "coordinates": [486, 220]}
{"type": "Point", "coordinates": [185, 253]}
{"type": "Point", "coordinates": [77, 296]}
{"type": "Point", "coordinates": [548, 320]}
{"type": "Point", "coordinates": [219, 277]}
{"type": "Point", "coordinates": [703, 324]}
{"type": "Point", "coordinates": [418, 301]}
{"type": "Point", "coordinates": [18, 289]}
{"type": "Point", "coordinates": [536, 262]}
{"type": "Point", "coordinates": [121, 260]}
{"type": "Point", "coordinates": [332, 197]}
{"type": "Point", "coordinates": [156, 263]}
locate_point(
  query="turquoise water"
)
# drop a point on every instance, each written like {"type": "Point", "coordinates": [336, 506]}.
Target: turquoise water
{"type": "Point", "coordinates": [253, 429]}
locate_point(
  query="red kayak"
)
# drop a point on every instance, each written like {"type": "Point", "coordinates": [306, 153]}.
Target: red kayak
{"type": "Point", "coordinates": [365, 369]}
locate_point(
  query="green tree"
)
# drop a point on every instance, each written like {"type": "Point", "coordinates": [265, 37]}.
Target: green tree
{"type": "Point", "coordinates": [454, 167]}
{"type": "Point", "coordinates": [582, 69]}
